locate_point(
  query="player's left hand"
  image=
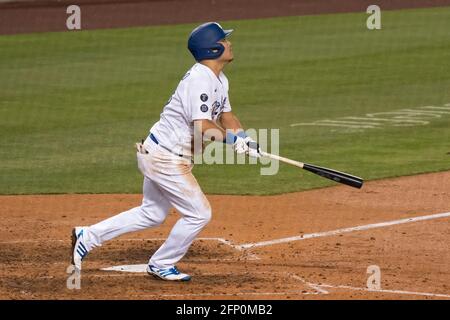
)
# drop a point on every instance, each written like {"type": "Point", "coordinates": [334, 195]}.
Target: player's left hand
{"type": "Point", "coordinates": [253, 148]}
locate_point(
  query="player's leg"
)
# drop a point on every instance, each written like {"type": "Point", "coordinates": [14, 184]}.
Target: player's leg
{"type": "Point", "coordinates": [186, 196]}
{"type": "Point", "coordinates": [150, 213]}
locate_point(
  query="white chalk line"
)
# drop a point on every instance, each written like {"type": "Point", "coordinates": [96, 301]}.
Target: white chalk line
{"type": "Point", "coordinates": [344, 230]}
{"type": "Point", "coordinates": [385, 291]}
{"type": "Point", "coordinates": [327, 124]}
{"type": "Point", "coordinates": [319, 288]}
{"type": "Point", "coordinates": [397, 118]}
{"type": "Point", "coordinates": [313, 286]}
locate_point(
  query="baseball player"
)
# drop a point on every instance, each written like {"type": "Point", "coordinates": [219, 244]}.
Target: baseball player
{"type": "Point", "coordinates": [200, 103]}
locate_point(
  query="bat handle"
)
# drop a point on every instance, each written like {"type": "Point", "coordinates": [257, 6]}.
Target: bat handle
{"type": "Point", "coordinates": [283, 159]}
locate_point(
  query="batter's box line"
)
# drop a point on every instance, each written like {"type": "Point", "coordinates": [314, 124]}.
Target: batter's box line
{"type": "Point", "coordinates": [247, 246]}
{"type": "Point", "coordinates": [313, 286]}
{"type": "Point", "coordinates": [319, 287]}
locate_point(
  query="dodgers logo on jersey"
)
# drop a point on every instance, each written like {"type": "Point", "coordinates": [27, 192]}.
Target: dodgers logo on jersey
{"type": "Point", "coordinates": [216, 109]}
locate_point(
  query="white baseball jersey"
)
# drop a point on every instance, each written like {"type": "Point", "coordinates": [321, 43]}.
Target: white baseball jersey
{"type": "Point", "coordinates": [199, 95]}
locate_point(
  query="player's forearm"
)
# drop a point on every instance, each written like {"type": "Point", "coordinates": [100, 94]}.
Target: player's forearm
{"type": "Point", "coordinates": [210, 130]}
{"type": "Point", "coordinates": [229, 121]}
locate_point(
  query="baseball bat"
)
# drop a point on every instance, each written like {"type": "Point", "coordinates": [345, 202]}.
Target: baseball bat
{"type": "Point", "coordinates": [334, 175]}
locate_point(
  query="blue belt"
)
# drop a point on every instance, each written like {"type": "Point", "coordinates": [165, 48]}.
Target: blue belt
{"type": "Point", "coordinates": [152, 136]}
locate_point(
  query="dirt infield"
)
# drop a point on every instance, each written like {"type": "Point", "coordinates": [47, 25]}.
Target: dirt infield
{"type": "Point", "coordinates": [413, 255]}
{"type": "Point", "coordinates": [42, 15]}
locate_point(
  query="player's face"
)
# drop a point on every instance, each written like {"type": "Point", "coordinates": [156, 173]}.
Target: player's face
{"type": "Point", "coordinates": [227, 55]}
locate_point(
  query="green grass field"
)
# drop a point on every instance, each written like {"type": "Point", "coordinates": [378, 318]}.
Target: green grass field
{"type": "Point", "coordinates": [72, 104]}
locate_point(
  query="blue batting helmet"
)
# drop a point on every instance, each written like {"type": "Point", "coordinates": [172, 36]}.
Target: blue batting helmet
{"type": "Point", "coordinates": [203, 41]}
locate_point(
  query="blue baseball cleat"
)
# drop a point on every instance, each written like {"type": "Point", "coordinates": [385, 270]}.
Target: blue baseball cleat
{"type": "Point", "coordinates": [170, 274]}
{"type": "Point", "coordinates": [79, 250]}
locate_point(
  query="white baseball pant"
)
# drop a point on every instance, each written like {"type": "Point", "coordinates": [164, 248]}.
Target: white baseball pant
{"type": "Point", "coordinates": [168, 182]}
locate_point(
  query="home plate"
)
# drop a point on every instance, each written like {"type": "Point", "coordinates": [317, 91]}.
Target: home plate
{"type": "Point", "coordinates": [136, 268]}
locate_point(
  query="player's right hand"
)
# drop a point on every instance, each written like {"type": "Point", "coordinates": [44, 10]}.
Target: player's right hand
{"type": "Point", "coordinates": [253, 148]}
{"type": "Point", "coordinates": [140, 148]}
{"type": "Point", "coordinates": [240, 145]}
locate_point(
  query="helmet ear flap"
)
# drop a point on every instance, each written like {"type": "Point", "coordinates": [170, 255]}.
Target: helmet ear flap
{"type": "Point", "coordinates": [216, 50]}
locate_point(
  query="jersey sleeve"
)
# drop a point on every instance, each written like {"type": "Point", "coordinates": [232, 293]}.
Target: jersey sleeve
{"type": "Point", "coordinates": [200, 100]}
